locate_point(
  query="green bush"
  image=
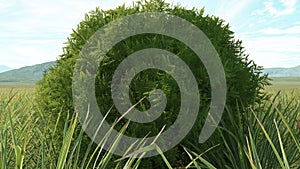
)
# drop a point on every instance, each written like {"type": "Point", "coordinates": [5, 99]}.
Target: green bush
{"type": "Point", "coordinates": [244, 78]}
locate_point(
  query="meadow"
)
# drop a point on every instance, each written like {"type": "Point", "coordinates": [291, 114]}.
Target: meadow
{"type": "Point", "coordinates": [26, 139]}
{"type": "Point", "coordinates": [284, 84]}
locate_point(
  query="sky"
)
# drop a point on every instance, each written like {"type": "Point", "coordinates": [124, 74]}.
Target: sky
{"type": "Point", "coordinates": [33, 32]}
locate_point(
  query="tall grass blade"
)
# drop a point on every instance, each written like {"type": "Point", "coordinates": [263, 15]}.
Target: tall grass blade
{"type": "Point", "coordinates": [287, 166]}
{"type": "Point", "coordinates": [289, 129]}
{"type": "Point", "coordinates": [270, 141]}
{"type": "Point", "coordinates": [66, 145]}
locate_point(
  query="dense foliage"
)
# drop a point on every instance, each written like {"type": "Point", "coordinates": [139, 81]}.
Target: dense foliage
{"type": "Point", "coordinates": [244, 78]}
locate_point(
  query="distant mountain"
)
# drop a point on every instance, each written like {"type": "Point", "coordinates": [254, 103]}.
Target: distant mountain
{"type": "Point", "coordinates": [28, 74]}
{"type": "Point", "coordinates": [4, 68]}
{"type": "Point", "coordinates": [283, 72]}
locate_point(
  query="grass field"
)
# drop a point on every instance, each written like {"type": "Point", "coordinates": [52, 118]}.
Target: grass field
{"type": "Point", "coordinates": [288, 86]}
{"type": "Point", "coordinates": [12, 85]}
{"type": "Point", "coordinates": [285, 83]}
{"type": "Point", "coordinates": [272, 141]}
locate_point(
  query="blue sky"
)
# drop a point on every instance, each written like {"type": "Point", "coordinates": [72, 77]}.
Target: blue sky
{"type": "Point", "coordinates": [34, 31]}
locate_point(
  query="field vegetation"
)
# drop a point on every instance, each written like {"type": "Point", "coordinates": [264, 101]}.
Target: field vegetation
{"type": "Point", "coordinates": [272, 141]}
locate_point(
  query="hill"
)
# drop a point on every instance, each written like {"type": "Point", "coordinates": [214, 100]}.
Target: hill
{"type": "Point", "coordinates": [283, 72]}
{"type": "Point", "coordinates": [28, 74]}
{"type": "Point", "coordinates": [4, 68]}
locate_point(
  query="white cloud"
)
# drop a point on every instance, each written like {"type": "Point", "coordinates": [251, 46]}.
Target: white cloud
{"type": "Point", "coordinates": [17, 53]}
{"type": "Point", "coordinates": [5, 5]}
{"type": "Point", "coordinates": [38, 15]}
{"type": "Point", "coordinates": [229, 9]}
{"type": "Point", "coordinates": [235, 7]}
{"type": "Point", "coordinates": [274, 51]}
{"type": "Point", "coordinates": [275, 31]}
{"type": "Point", "coordinates": [289, 7]}
{"type": "Point", "coordinates": [33, 32]}
{"type": "Point", "coordinates": [281, 44]}
{"type": "Point", "coordinates": [271, 59]}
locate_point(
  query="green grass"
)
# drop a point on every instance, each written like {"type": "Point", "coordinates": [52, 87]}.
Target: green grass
{"type": "Point", "coordinates": [26, 138]}
{"type": "Point", "coordinates": [271, 140]}
{"type": "Point", "coordinates": [14, 85]}
{"type": "Point", "coordinates": [285, 83]}
{"type": "Point", "coordinates": [288, 86]}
